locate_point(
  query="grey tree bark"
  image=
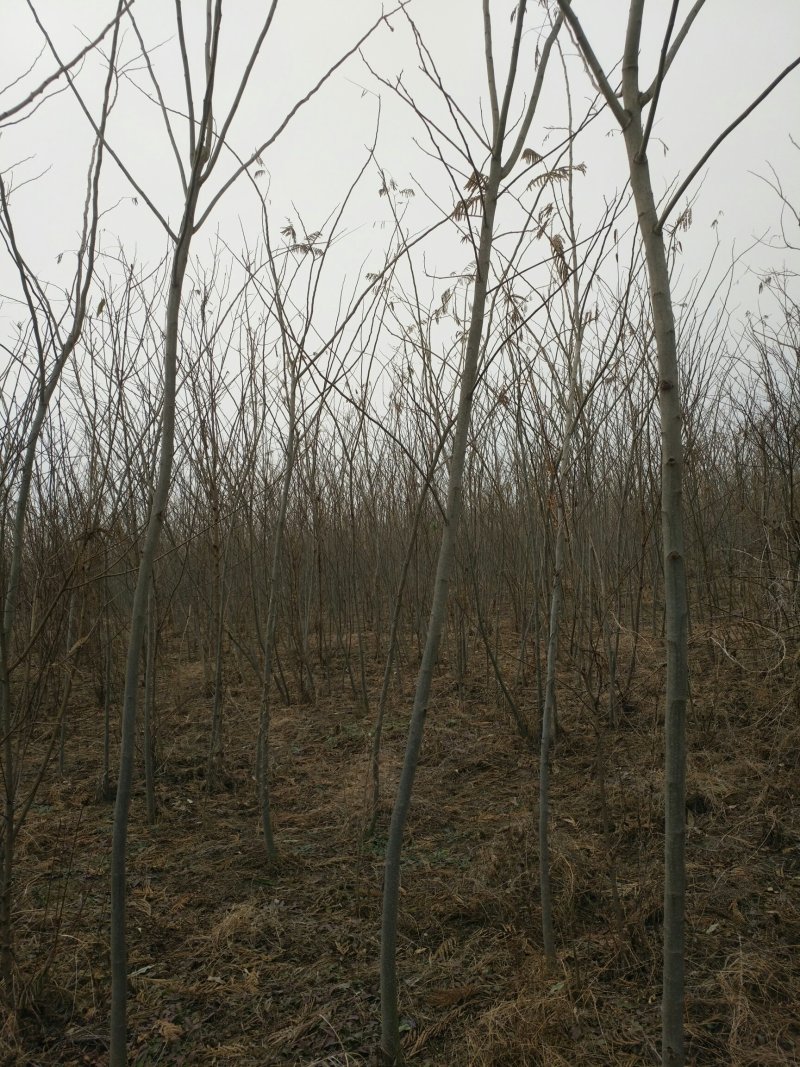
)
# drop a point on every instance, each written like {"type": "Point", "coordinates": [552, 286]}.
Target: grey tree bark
{"type": "Point", "coordinates": [675, 598]}
{"type": "Point", "coordinates": [498, 169]}
{"type": "Point", "coordinates": [119, 979]}
{"type": "Point", "coordinates": [636, 134]}
{"type": "Point", "coordinates": [200, 147]}
{"type": "Point", "coordinates": [676, 608]}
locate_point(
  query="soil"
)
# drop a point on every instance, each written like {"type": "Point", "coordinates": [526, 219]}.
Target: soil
{"type": "Point", "coordinates": [233, 963]}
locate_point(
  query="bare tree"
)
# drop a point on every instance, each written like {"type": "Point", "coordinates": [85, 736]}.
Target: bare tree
{"type": "Point", "coordinates": [484, 191]}
{"type": "Point", "coordinates": [205, 145]}
{"type": "Point", "coordinates": [53, 338]}
{"type": "Point", "coordinates": [636, 131]}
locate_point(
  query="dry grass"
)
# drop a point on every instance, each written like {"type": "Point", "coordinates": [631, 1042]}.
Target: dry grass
{"type": "Point", "coordinates": [234, 964]}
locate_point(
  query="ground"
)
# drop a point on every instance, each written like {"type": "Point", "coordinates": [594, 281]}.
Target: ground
{"type": "Point", "coordinates": [233, 963]}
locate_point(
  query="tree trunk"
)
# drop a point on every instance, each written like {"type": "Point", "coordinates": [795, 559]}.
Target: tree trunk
{"type": "Point", "coordinates": [148, 719]}
{"type": "Point", "coordinates": [390, 1034]}
{"type": "Point", "coordinates": [119, 977]}
{"type": "Point", "coordinates": [264, 721]}
{"type": "Point", "coordinates": [675, 599]}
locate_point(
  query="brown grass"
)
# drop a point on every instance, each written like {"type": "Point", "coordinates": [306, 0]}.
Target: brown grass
{"type": "Point", "coordinates": [234, 964]}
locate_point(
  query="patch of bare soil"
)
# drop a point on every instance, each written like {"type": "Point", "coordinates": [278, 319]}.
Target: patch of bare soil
{"type": "Point", "coordinates": [232, 963]}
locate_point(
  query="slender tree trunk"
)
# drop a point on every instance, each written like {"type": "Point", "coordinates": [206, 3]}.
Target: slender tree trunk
{"type": "Point", "coordinates": [107, 663]}
{"type": "Point", "coordinates": [549, 713]}
{"type": "Point", "coordinates": [264, 722]}
{"type": "Point", "coordinates": [148, 719]}
{"type": "Point", "coordinates": [62, 735]}
{"type": "Point", "coordinates": [375, 771]}
{"type": "Point", "coordinates": [119, 977]}
{"type": "Point", "coordinates": [675, 598]}
{"type": "Point", "coordinates": [390, 1035]}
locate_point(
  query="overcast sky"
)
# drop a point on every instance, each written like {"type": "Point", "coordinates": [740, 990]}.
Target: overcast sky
{"type": "Point", "coordinates": [734, 50]}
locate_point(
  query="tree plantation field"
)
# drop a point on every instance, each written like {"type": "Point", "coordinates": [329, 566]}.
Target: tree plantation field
{"type": "Point", "coordinates": [399, 534]}
{"type": "Point", "coordinates": [231, 963]}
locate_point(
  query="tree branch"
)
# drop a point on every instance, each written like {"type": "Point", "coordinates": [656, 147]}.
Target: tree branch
{"type": "Point", "coordinates": [594, 64]}
{"type": "Point", "coordinates": [223, 133]}
{"type": "Point", "coordinates": [187, 77]}
{"type": "Point", "coordinates": [114, 155]}
{"type": "Point", "coordinates": [534, 101]}
{"type": "Point", "coordinates": [304, 100]}
{"type": "Point", "coordinates": [707, 155]}
{"type": "Point", "coordinates": [662, 69]}
{"type": "Point", "coordinates": [498, 132]}
{"type": "Point", "coordinates": [648, 95]}
{"type": "Point", "coordinates": [64, 67]}
{"type": "Point", "coordinates": [161, 104]}
{"type": "Point", "coordinates": [489, 53]}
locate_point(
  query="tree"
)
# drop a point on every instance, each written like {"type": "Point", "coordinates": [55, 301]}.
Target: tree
{"type": "Point", "coordinates": [484, 192]}
{"type": "Point", "coordinates": [205, 143]}
{"type": "Point", "coordinates": [53, 346]}
{"type": "Point", "coordinates": [636, 131]}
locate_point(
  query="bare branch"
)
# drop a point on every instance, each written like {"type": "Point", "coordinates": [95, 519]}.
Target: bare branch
{"type": "Point", "coordinates": [620, 114]}
{"type": "Point", "coordinates": [648, 95]}
{"type": "Point", "coordinates": [499, 131]}
{"type": "Point", "coordinates": [662, 69]}
{"type": "Point", "coordinates": [223, 133]}
{"type": "Point", "coordinates": [707, 155]}
{"type": "Point", "coordinates": [304, 100]}
{"type": "Point", "coordinates": [160, 99]}
{"type": "Point", "coordinates": [114, 155]}
{"type": "Point", "coordinates": [534, 101]}
{"type": "Point", "coordinates": [456, 112]}
{"type": "Point", "coordinates": [487, 34]}
{"type": "Point", "coordinates": [187, 77]}
{"type": "Point", "coordinates": [64, 67]}
{"type": "Point", "coordinates": [630, 54]}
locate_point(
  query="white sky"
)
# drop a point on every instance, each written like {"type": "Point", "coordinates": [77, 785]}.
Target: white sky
{"type": "Point", "coordinates": [734, 50]}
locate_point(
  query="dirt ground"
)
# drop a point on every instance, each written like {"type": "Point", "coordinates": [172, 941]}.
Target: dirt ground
{"type": "Point", "coordinates": [232, 963]}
